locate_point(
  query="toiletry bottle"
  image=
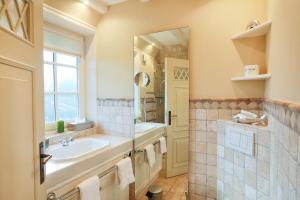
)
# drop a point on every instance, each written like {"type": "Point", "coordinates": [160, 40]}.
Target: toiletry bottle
{"type": "Point", "coordinates": [60, 126]}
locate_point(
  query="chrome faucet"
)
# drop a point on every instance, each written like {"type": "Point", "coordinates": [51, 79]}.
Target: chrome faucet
{"type": "Point", "coordinates": [65, 141]}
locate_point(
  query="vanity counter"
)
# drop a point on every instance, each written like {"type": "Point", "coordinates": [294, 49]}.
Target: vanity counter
{"type": "Point", "coordinates": [60, 173]}
{"type": "Point", "coordinates": [155, 129]}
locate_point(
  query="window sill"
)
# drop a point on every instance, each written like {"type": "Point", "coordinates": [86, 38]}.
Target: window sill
{"type": "Point", "coordinates": [50, 127]}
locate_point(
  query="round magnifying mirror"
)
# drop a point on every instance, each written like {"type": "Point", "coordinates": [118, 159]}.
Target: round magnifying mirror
{"type": "Point", "coordinates": [142, 79]}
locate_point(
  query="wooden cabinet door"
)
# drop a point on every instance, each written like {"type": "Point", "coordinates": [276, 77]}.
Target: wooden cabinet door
{"type": "Point", "coordinates": [16, 134]}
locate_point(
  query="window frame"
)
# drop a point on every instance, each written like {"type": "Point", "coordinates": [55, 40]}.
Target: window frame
{"type": "Point", "coordinates": [56, 93]}
{"type": "Point", "coordinates": [50, 126]}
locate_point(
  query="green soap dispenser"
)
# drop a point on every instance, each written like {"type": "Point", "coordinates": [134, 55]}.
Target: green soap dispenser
{"type": "Point", "coordinates": [60, 126]}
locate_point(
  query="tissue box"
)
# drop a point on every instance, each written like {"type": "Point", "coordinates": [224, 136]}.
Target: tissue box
{"type": "Point", "coordinates": [79, 126]}
{"type": "Point", "coordinates": [251, 70]}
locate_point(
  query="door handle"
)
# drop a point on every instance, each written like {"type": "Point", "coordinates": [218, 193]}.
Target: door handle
{"type": "Point", "coordinates": [170, 116]}
{"type": "Point", "coordinates": [45, 158]}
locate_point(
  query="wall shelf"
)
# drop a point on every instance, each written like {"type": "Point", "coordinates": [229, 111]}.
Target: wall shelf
{"type": "Point", "coordinates": [259, 30]}
{"type": "Point", "coordinates": [252, 78]}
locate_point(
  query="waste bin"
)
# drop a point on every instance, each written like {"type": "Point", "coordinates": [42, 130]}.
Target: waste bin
{"type": "Point", "coordinates": [155, 192]}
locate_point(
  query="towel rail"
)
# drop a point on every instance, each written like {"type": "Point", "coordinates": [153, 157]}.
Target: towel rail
{"type": "Point", "coordinates": [143, 150]}
{"type": "Point", "coordinates": [52, 195]}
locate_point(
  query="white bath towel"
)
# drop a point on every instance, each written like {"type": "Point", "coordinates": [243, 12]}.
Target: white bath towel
{"type": "Point", "coordinates": [90, 189]}
{"type": "Point", "coordinates": [150, 154]}
{"type": "Point", "coordinates": [163, 145]}
{"type": "Point", "coordinates": [125, 172]}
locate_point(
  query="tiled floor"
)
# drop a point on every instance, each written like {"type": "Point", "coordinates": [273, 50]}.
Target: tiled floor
{"type": "Point", "coordinates": [173, 188]}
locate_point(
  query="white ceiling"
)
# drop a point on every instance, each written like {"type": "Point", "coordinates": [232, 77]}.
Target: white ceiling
{"type": "Point", "coordinates": [101, 5]}
{"type": "Point", "coordinates": [111, 2]}
{"type": "Point", "coordinates": [167, 38]}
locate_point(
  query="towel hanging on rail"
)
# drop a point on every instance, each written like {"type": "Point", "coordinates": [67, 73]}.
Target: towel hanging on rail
{"type": "Point", "coordinates": [125, 172]}
{"type": "Point", "coordinates": [75, 191]}
{"type": "Point", "coordinates": [89, 189]}
{"type": "Point", "coordinates": [150, 154]}
{"type": "Point", "coordinates": [163, 145]}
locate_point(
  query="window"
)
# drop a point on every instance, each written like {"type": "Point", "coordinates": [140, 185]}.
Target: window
{"type": "Point", "coordinates": [61, 83]}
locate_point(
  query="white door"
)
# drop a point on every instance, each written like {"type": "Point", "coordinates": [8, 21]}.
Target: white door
{"type": "Point", "coordinates": [16, 134]}
{"type": "Point", "coordinates": [177, 115]}
{"type": "Point", "coordinates": [21, 100]}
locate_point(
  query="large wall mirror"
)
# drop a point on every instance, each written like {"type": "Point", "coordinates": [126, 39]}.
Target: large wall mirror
{"type": "Point", "coordinates": [161, 106]}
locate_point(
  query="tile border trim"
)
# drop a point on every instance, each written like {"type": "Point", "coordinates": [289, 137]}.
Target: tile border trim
{"type": "Point", "coordinates": [227, 103]}
{"type": "Point", "coordinates": [116, 102]}
{"type": "Point", "coordinates": [286, 112]}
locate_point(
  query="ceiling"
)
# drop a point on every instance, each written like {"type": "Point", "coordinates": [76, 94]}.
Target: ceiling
{"type": "Point", "coordinates": [111, 2]}
{"type": "Point", "coordinates": [101, 5]}
{"type": "Point", "coordinates": [168, 38]}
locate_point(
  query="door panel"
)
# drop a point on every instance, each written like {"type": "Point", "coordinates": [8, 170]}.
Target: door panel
{"type": "Point", "coordinates": [181, 155]}
{"type": "Point", "coordinates": [16, 134]}
{"type": "Point", "coordinates": [182, 106]}
{"type": "Point", "coordinates": [177, 102]}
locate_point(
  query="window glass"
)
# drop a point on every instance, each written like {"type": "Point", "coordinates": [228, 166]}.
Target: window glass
{"type": "Point", "coordinates": [48, 78]}
{"type": "Point", "coordinates": [66, 59]}
{"type": "Point", "coordinates": [49, 108]}
{"type": "Point", "coordinates": [48, 56]}
{"type": "Point", "coordinates": [66, 79]}
{"type": "Point", "coordinates": [67, 107]}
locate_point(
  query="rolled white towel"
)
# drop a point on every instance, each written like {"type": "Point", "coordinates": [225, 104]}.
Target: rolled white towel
{"type": "Point", "coordinates": [90, 189]}
{"type": "Point", "coordinates": [150, 154]}
{"type": "Point", "coordinates": [249, 115]}
{"type": "Point", "coordinates": [163, 145]}
{"type": "Point", "coordinates": [125, 172]}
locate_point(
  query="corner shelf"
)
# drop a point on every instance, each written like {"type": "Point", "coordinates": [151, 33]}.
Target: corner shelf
{"type": "Point", "coordinates": [259, 30]}
{"type": "Point", "coordinates": [252, 78]}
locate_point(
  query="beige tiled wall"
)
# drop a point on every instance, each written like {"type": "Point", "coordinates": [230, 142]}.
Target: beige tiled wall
{"type": "Point", "coordinates": [203, 141]}
{"type": "Point", "coordinates": [272, 173]}
{"type": "Point", "coordinates": [284, 124]}
{"type": "Point", "coordinates": [242, 176]}
{"type": "Point", "coordinates": [115, 117]}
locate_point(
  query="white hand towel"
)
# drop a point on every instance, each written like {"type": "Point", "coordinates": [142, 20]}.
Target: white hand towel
{"type": "Point", "coordinates": [89, 189]}
{"type": "Point", "coordinates": [125, 172]}
{"type": "Point", "coordinates": [163, 145]}
{"type": "Point", "coordinates": [150, 154]}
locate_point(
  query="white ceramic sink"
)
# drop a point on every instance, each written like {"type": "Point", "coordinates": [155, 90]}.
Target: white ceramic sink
{"type": "Point", "coordinates": [143, 127]}
{"type": "Point", "coordinates": [77, 149]}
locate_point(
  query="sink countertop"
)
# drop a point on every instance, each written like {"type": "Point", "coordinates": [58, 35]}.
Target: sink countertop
{"type": "Point", "coordinates": [60, 172]}
{"type": "Point", "coordinates": [158, 130]}
{"type": "Point", "coordinates": [155, 127]}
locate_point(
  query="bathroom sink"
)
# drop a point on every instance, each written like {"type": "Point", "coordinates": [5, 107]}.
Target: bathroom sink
{"type": "Point", "coordinates": [77, 149]}
{"type": "Point", "coordinates": [143, 127]}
